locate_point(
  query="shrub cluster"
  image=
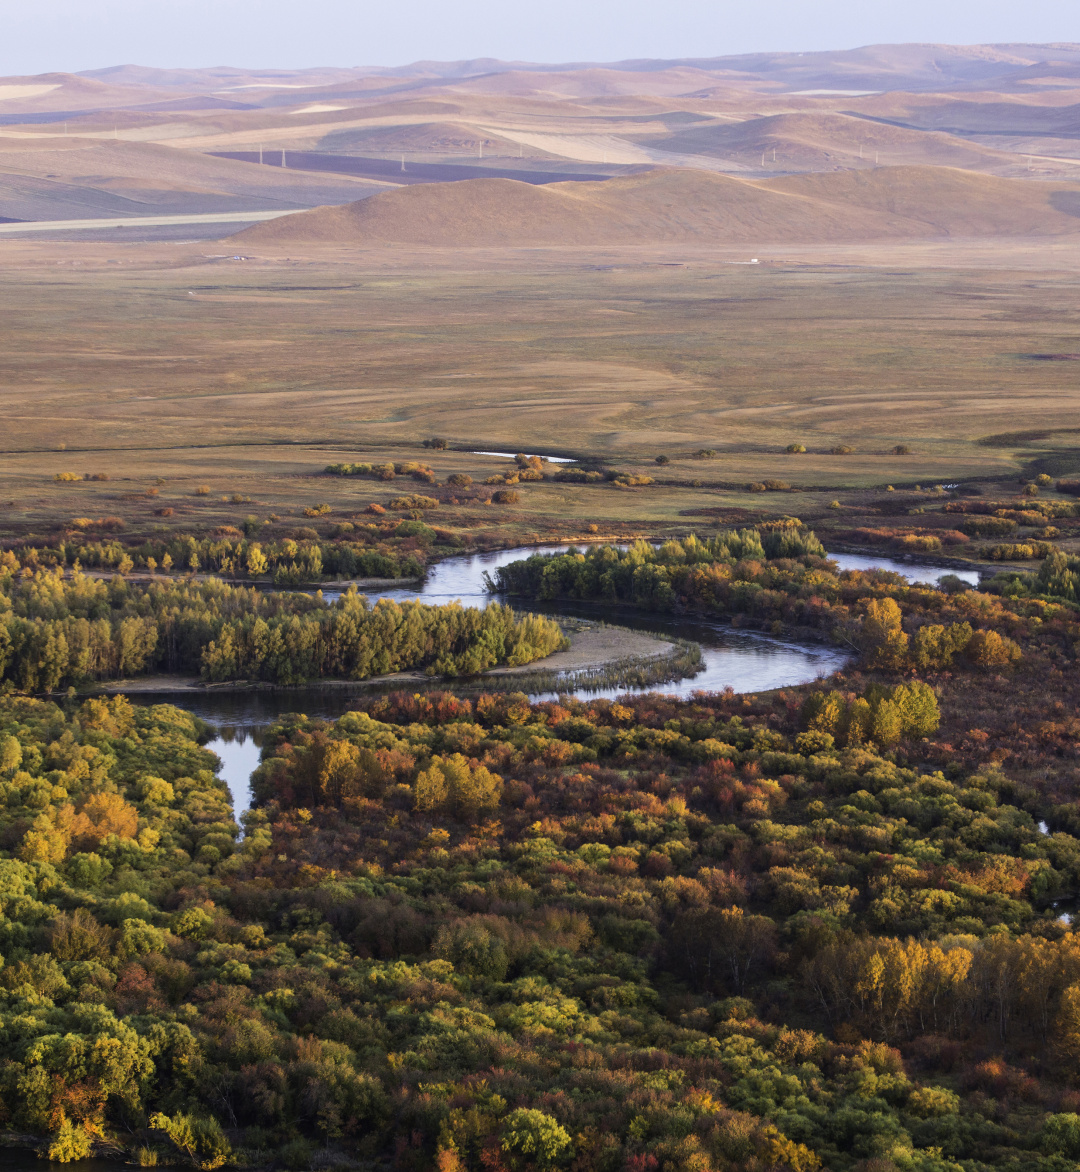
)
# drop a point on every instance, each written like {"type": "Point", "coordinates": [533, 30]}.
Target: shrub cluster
{"type": "Point", "coordinates": [1020, 552]}
{"type": "Point", "coordinates": [388, 471]}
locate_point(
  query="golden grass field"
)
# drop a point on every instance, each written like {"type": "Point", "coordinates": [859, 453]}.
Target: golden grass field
{"type": "Point", "coordinates": [168, 370]}
{"type": "Point", "coordinates": [622, 357]}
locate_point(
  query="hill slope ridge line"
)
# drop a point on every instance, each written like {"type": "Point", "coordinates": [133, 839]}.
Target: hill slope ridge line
{"type": "Point", "coordinates": [672, 205]}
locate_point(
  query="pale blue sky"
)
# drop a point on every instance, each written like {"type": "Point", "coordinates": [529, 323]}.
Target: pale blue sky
{"type": "Point", "coordinates": [42, 35]}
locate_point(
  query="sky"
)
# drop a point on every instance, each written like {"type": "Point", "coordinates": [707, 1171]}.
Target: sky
{"type": "Point", "coordinates": [71, 35]}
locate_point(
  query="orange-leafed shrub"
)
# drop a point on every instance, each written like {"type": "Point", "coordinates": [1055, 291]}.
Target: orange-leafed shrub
{"type": "Point", "coordinates": [102, 815]}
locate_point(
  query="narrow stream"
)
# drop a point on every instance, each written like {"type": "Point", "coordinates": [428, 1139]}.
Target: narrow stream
{"type": "Point", "coordinates": [743, 660]}
{"type": "Point", "coordinates": [918, 572]}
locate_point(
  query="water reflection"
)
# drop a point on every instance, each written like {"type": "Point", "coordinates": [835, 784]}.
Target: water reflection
{"type": "Point", "coordinates": [745, 661]}
{"type": "Point", "coordinates": [458, 577]}
{"type": "Point", "coordinates": [513, 455]}
{"type": "Point", "coordinates": [238, 752]}
{"type": "Point", "coordinates": [917, 572]}
{"type": "Point", "coordinates": [15, 1160]}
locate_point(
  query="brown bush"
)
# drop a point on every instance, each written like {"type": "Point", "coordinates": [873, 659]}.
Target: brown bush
{"type": "Point", "coordinates": [989, 649]}
{"type": "Point", "coordinates": [79, 936]}
{"type": "Point", "coordinates": [506, 496]}
{"type": "Point", "coordinates": [414, 501]}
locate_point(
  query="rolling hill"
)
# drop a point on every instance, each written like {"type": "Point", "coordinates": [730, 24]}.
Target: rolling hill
{"type": "Point", "coordinates": [141, 137]}
{"type": "Point", "coordinates": [796, 142]}
{"type": "Point", "coordinates": [70, 92]}
{"type": "Point", "coordinates": [59, 178]}
{"type": "Point", "coordinates": [668, 205]}
{"type": "Point", "coordinates": [870, 67]}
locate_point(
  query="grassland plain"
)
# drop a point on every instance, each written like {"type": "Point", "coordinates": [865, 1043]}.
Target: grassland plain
{"type": "Point", "coordinates": [171, 371]}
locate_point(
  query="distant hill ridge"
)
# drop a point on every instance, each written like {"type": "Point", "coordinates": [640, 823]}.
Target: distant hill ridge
{"type": "Point", "coordinates": [909, 66]}
{"type": "Point", "coordinates": [672, 205]}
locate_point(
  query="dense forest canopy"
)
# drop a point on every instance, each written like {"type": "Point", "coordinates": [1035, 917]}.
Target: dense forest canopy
{"type": "Point", "coordinates": [493, 934]}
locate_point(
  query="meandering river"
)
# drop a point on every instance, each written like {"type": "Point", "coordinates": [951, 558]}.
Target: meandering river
{"type": "Point", "coordinates": [743, 660]}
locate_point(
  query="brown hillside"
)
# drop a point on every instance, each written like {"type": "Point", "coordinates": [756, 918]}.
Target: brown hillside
{"type": "Point", "coordinates": [584, 83]}
{"type": "Point", "coordinates": [476, 212]}
{"type": "Point", "coordinates": [999, 114]}
{"type": "Point", "coordinates": [660, 205]}
{"type": "Point", "coordinates": [944, 201]}
{"type": "Point", "coordinates": [827, 139]}
{"type": "Point", "coordinates": [437, 137]}
{"type": "Point", "coordinates": [668, 204]}
{"type": "Point", "coordinates": [693, 206]}
{"type": "Point", "coordinates": [68, 91]}
{"type": "Point", "coordinates": [72, 178]}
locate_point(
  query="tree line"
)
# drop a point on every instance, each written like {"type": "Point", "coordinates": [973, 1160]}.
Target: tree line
{"type": "Point", "coordinates": [288, 561]}
{"type": "Point", "coordinates": [780, 575]}
{"type": "Point", "coordinates": [57, 631]}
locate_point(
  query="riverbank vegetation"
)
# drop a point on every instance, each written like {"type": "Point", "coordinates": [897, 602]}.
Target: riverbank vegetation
{"type": "Point", "coordinates": [58, 631]}
{"type": "Point", "coordinates": [489, 934]}
{"type": "Point", "coordinates": [395, 549]}
{"type": "Point", "coordinates": [779, 577]}
{"type": "Point", "coordinates": [377, 513]}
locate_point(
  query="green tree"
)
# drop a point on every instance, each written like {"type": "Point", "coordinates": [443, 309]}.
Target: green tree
{"type": "Point", "coordinates": [10, 754]}
{"type": "Point", "coordinates": [537, 1136]}
{"type": "Point", "coordinates": [199, 1138]}
{"type": "Point", "coordinates": [453, 785]}
{"type": "Point", "coordinates": [887, 723]}
{"type": "Point", "coordinates": [69, 1143]}
{"type": "Point", "coordinates": [918, 708]}
{"type": "Point", "coordinates": [881, 635]}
